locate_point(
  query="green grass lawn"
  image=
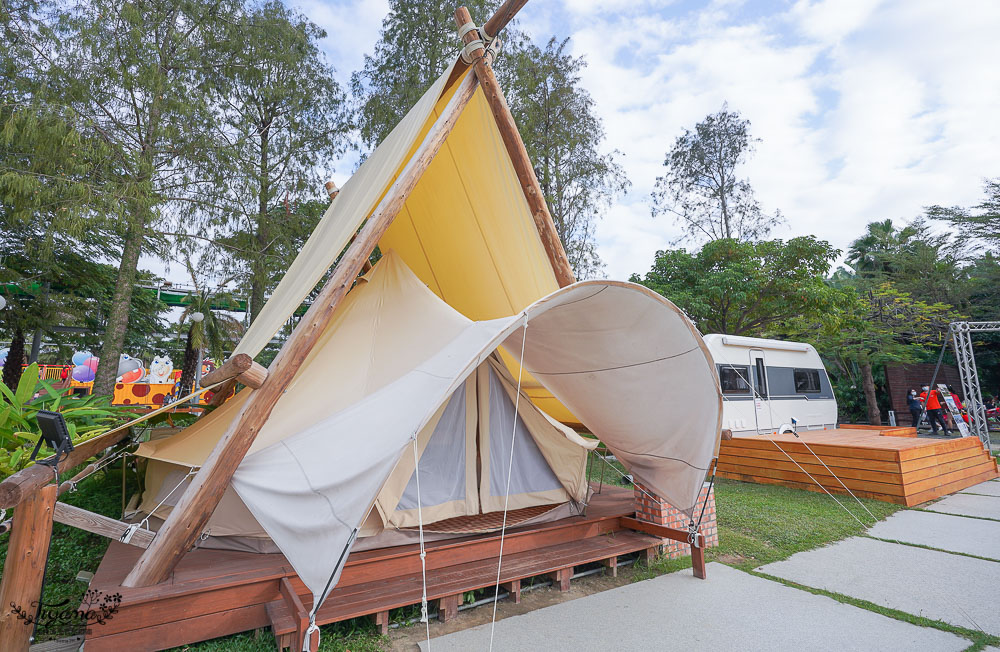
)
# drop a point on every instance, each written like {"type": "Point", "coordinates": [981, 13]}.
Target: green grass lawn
{"type": "Point", "coordinates": [760, 524]}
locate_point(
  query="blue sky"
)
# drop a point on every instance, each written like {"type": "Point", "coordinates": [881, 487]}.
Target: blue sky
{"type": "Point", "coordinates": [866, 110]}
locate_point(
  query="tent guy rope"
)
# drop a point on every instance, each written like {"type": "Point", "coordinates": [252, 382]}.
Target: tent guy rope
{"type": "Point", "coordinates": [423, 551]}
{"type": "Point", "coordinates": [757, 395]}
{"type": "Point", "coordinates": [510, 468]}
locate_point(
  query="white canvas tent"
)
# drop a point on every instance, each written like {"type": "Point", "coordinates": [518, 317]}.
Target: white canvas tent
{"type": "Point", "coordinates": [412, 356]}
{"type": "Point", "coordinates": [622, 357]}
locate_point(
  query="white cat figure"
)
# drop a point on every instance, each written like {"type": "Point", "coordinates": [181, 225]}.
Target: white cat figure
{"type": "Point", "coordinates": [160, 369]}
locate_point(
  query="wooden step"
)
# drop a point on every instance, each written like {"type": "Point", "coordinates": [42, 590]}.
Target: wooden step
{"type": "Point", "coordinates": [379, 596]}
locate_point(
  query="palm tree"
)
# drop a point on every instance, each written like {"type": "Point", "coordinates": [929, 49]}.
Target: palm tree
{"type": "Point", "coordinates": [872, 254]}
{"type": "Point", "coordinates": [208, 330]}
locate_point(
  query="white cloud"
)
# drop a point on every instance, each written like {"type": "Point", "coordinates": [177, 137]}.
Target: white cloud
{"type": "Point", "coordinates": [865, 110]}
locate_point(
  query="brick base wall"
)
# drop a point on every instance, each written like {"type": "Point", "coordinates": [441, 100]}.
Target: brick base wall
{"type": "Point", "coordinates": [652, 509]}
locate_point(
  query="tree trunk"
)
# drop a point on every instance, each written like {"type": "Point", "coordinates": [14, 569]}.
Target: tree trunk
{"type": "Point", "coordinates": [188, 367]}
{"type": "Point", "coordinates": [36, 346]}
{"type": "Point", "coordinates": [114, 333]}
{"type": "Point", "coordinates": [868, 385]}
{"type": "Point", "coordinates": [258, 266]}
{"type": "Point", "coordinates": [15, 358]}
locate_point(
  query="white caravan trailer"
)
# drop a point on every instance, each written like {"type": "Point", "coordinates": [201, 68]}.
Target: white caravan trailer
{"type": "Point", "coordinates": [768, 383]}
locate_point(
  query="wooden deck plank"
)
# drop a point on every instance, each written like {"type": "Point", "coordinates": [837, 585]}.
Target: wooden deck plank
{"type": "Point", "coordinates": [903, 470]}
{"type": "Point", "coordinates": [810, 486]}
{"type": "Point", "coordinates": [813, 466]}
{"type": "Point", "coordinates": [880, 488]}
{"type": "Point", "coordinates": [945, 489]}
{"type": "Point", "coordinates": [178, 633]}
{"type": "Point", "coordinates": [407, 590]}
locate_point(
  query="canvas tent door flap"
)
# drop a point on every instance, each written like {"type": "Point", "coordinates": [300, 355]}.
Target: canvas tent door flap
{"type": "Point", "coordinates": [464, 453]}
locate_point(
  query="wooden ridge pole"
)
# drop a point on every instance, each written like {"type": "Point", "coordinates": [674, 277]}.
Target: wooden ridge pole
{"type": "Point", "coordinates": [503, 15]}
{"type": "Point", "coordinates": [24, 568]}
{"type": "Point", "coordinates": [240, 367]}
{"type": "Point", "coordinates": [513, 142]}
{"type": "Point", "coordinates": [100, 525]}
{"type": "Point", "coordinates": [188, 519]}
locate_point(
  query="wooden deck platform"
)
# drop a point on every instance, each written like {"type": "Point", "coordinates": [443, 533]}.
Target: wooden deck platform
{"type": "Point", "coordinates": [214, 593]}
{"type": "Point", "coordinates": [893, 465]}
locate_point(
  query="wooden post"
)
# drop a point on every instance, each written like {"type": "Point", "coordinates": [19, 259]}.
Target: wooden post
{"type": "Point", "coordinates": [382, 622]}
{"type": "Point", "coordinates": [299, 612]}
{"type": "Point", "coordinates": [448, 607]}
{"type": "Point", "coordinates": [501, 17]}
{"type": "Point", "coordinates": [187, 520]}
{"type": "Point", "coordinates": [561, 578]}
{"type": "Point", "coordinates": [698, 561]}
{"type": "Point", "coordinates": [697, 551]}
{"type": "Point", "coordinates": [513, 588]}
{"type": "Point", "coordinates": [222, 392]}
{"type": "Point", "coordinates": [515, 145]}
{"type": "Point", "coordinates": [24, 568]}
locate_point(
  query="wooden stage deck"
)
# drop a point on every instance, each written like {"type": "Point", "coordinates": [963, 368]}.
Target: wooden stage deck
{"type": "Point", "coordinates": [890, 464]}
{"type": "Point", "coordinates": [214, 593]}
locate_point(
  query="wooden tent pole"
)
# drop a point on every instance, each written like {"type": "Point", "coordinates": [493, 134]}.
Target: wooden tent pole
{"type": "Point", "coordinates": [513, 142]}
{"type": "Point", "coordinates": [24, 568]}
{"type": "Point", "coordinates": [503, 15]}
{"type": "Point", "coordinates": [188, 519]}
{"type": "Point", "coordinates": [333, 191]}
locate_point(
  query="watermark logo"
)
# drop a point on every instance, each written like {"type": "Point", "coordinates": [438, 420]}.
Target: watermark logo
{"type": "Point", "coordinates": [62, 619]}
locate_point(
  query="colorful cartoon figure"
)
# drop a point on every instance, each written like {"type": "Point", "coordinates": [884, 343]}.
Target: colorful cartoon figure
{"type": "Point", "coordinates": [130, 370]}
{"type": "Point", "coordinates": [84, 366]}
{"type": "Point", "coordinates": [160, 370]}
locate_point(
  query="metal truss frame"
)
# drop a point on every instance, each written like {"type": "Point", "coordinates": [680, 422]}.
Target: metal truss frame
{"type": "Point", "coordinates": [961, 340]}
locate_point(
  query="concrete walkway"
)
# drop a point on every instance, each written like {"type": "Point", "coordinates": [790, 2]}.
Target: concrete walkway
{"type": "Point", "coordinates": [970, 536]}
{"type": "Point", "coordinates": [957, 589]}
{"type": "Point", "coordinates": [944, 584]}
{"type": "Point", "coordinates": [733, 610]}
{"type": "Point", "coordinates": [916, 561]}
{"type": "Point", "coordinates": [977, 505]}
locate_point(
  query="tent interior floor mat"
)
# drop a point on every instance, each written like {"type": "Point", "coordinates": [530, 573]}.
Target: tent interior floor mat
{"type": "Point", "coordinates": [219, 592]}
{"type": "Point", "coordinates": [489, 522]}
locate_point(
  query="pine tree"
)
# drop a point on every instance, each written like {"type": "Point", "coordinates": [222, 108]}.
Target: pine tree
{"type": "Point", "coordinates": [556, 116]}
{"type": "Point", "coordinates": [140, 73]}
{"type": "Point", "coordinates": [563, 135]}
{"type": "Point", "coordinates": [417, 42]}
{"type": "Point", "coordinates": [285, 119]}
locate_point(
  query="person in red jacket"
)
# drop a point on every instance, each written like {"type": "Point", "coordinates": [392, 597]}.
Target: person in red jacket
{"type": "Point", "coordinates": [932, 399]}
{"type": "Point", "coordinates": [958, 404]}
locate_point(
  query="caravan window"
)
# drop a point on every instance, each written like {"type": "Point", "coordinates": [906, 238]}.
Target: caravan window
{"type": "Point", "coordinates": [734, 379]}
{"type": "Point", "coordinates": [807, 381]}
